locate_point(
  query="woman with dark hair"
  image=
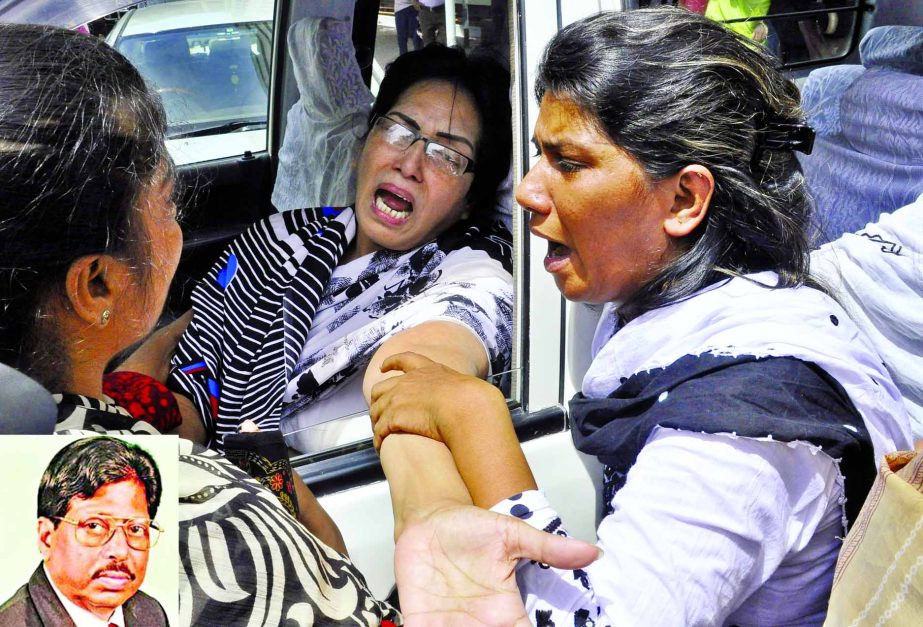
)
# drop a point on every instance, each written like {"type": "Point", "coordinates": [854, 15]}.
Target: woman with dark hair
{"type": "Point", "coordinates": [736, 412]}
{"type": "Point", "coordinates": [89, 243]}
{"type": "Point", "coordinates": [291, 325]}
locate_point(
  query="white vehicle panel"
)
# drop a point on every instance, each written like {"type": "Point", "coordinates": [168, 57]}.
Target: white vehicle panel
{"type": "Point", "coordinates": [365, 519]}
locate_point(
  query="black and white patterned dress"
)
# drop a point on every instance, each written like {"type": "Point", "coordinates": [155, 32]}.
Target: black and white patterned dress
{"type": "Point", "coordinates": [278, 323]}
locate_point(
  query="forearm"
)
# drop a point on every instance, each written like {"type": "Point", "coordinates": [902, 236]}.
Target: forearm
{"type": "Point", "coordinates": [192, 427]}
{"type": "Point", "coordinates": [486, 450]}
{"type": "Point", "coordinates": [313, 516]}
{"type": "Point", "coordinates": [422, 478]}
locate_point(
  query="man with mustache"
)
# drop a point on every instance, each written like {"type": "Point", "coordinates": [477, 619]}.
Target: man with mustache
{"type": "Point", "coordinates": [96, 502]}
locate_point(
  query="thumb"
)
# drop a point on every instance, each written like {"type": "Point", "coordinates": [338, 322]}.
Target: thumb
{"type": "Point", "coordinates": [548, 548]}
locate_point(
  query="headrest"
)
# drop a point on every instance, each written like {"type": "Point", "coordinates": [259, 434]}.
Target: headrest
{"type": "Point", "coordinates": [898, 48]}
{"type": "Point", "coordinates": [821, 95]}
{"type": "Point", "coordinates": [26, 408]}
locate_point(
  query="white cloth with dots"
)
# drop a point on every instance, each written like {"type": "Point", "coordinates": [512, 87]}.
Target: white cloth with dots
{"type": "Point", "coordinates": [878, 275]}
{"type": "Point", "coordinates": [716, 529]}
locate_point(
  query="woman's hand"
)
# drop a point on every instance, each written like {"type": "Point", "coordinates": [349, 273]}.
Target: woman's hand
{"type": "Point", "coordinates": [428, 399]}
{"type": "Point", "coordinates": [457, 566]}
{"type": "Point", "coordinates": [153, 356]}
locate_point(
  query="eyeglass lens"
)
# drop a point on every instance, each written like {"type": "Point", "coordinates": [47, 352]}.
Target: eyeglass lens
{"type": "Point", "coordinates": [447, 159]}
{"type": "Point", "coordinates": [140, 534]}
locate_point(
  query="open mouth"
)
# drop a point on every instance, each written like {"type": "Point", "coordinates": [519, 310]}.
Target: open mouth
{"type": "Point", "coordinates": [557, 256]}
{"type": "Point", "coordinates": [392, 205]}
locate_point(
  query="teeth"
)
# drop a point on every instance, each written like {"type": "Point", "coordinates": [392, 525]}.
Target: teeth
{"type": "Point", "coordinates": [380, 204]}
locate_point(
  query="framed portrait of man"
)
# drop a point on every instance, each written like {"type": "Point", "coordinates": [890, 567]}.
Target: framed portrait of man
{"type": "Point", "coordinates": [90, 530]}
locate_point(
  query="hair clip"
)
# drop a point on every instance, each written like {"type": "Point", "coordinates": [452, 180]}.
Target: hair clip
{"type": "Point", "coordinates": [782, 136]}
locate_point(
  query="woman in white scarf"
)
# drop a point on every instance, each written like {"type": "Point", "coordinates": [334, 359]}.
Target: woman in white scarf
{"type": "Point", "coordinates": [737, 413]}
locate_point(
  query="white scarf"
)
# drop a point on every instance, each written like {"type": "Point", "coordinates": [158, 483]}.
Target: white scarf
{"type": "Point", "coordinates": [742, 317]}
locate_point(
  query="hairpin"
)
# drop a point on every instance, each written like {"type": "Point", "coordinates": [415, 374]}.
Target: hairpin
{"type": "Point", "coordinates": [774, 135]}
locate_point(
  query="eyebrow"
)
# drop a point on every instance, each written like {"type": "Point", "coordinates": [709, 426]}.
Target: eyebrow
{"type": "Point", "coordinates": [411, 122]}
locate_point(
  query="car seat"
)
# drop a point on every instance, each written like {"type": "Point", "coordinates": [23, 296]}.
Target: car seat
{"type": "Point", "coordinates": [26, 408]}
{"type": "Point", "coordinates": [868, 154]}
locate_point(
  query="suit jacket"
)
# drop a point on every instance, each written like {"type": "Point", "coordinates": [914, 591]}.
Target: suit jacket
{"type": "Point", "coordinates": [36, 605]}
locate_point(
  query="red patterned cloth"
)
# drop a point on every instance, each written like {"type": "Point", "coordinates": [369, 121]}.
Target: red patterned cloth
{"type": "Point", "coordinates": [144, 397]}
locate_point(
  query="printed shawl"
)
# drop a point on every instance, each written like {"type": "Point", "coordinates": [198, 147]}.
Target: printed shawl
{"type": "Point", "coordinates": [254, 312]}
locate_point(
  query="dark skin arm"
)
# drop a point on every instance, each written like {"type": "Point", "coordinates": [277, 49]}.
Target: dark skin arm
{"type": "Point", "coordinates": [466, 413]}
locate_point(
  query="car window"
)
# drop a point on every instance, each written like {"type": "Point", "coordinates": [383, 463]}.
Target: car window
{"type": "Point", "coordinates": [209, 60]}
{"type": "Point", "coordinates": [798, 32]}
{"type": "Point", "coordinates": [316, 35]}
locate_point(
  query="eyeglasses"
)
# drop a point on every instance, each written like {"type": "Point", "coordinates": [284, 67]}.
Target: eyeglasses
{"type": "Point", "coordinates": [443, 158]}
{"type": "Point", "coordinates": [140, 533]}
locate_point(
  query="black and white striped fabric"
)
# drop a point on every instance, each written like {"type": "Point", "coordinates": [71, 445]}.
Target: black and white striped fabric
{"type": "Point", "coordinates": [254, 311]}
{"type": "Point", "coordinates": [246, 561]}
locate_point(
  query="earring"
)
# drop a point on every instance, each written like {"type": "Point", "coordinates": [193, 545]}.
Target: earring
{"type": "Point", "coordinates": [104, 319]}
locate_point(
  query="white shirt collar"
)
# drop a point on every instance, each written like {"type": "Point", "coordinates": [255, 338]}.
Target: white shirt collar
{"type": "Point", "coordinates": [82, 617]}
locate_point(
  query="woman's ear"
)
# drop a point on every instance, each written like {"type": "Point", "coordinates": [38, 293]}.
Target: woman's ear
{"type": "Point", "coordinates": [694, 186]}
{"type": "Point", "coordinates": [94, 284]}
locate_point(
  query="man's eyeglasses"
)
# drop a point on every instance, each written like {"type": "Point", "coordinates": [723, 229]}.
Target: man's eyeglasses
{"type": "Point", "coordinates": [443, 158]}
{"type": "Point", "coordinates": [140, 533]}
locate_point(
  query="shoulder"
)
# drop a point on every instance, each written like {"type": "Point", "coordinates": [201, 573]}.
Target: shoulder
{"type": "Point", "coordinates": [19, 609]}
{"type": "Point", "coordinates": [143, 610]}
{"type": "Point", "coordinates": [489, 236]}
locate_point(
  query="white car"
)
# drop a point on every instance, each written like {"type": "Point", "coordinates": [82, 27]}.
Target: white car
{"type": "Point", "coordinates": [210, 62]}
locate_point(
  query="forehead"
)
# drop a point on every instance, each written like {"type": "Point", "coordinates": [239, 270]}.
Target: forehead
{"type": "Point", "coordinates": [559, 117]}
{"type": "Point", "coordinates": [123, 499]}
{"type": "Point", "coordinates": [440, 106]}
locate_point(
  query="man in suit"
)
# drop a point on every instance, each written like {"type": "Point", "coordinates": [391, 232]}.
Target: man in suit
{"type": "Point", "coordinates": [96, 501]}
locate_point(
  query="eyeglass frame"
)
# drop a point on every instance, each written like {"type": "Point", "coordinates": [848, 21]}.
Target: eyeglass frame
{"type": "Point", "coordinates": [418, 136]}
{"type": "Point", "coordinates": [113, 528]}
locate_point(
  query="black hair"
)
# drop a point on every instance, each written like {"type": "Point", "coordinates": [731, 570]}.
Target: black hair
{"type": "Point", "coordinates": [80, 138]}
{"type": "Point", "coordinates": [81, 468]}
{"type": "Point", "coordinates": [673, 88]}
{"type": "Point", "coordinates": [488, 84]}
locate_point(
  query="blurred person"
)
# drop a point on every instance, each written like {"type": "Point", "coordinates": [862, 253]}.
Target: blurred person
{"type": "Point", "coordinates": [407, 24]}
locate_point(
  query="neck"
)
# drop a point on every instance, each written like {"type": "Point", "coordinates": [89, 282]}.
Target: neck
{"type": "Point", "coordinates": [88, 354]}
{"type": "Point", "coordinates": [85, 379]}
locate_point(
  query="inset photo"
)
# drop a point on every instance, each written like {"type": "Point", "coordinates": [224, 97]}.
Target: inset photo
{"type": "Point", "coordinates": [90, 530]}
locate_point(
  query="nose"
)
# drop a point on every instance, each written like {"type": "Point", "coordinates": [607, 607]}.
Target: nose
{"type": "Point", "coordinates": [531, 193]}
{"type": "Point", "coordinates": [410, 161]}
{"type": "Point", "coordinates": [117, 547]}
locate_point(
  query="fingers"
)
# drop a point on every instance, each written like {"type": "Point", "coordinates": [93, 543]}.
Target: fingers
{"type": "Point", "coordinates": [383, 387]}
{"type": "Point", "coordinates": [406, 362]}
{"type": "Point", "coordinates": [552, 549]}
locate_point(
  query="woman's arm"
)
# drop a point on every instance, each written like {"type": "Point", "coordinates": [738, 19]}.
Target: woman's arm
{"type": "Point", "coordinates": [466, 413]}
{"type": "Point", "coordinates": [456, 563]}
{"type": "Point", "coordinates": [449, 343]}
{"type": "Point", "coordinates": [702, 523]}
{"type": "Point", "coordinates": [313, 516]}
{"type": "Point", "coordinates": [192, 427]}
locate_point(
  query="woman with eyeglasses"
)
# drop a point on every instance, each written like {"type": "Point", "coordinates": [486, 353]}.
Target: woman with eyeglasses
{"type": "Point", "coordinates": [292, 324]}
{"type": "Point", "coordinates": [89, 242]}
